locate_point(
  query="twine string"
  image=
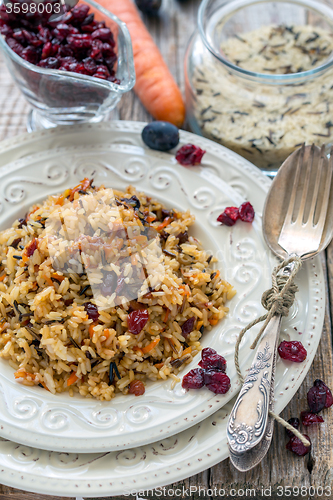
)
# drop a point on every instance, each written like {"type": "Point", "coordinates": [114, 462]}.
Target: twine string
{"type": "Point", "coordinates": [277, 301]}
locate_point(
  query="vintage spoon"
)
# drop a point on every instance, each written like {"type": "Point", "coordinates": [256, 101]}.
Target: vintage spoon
{"type": "Point", "coordinates": [297, 220]}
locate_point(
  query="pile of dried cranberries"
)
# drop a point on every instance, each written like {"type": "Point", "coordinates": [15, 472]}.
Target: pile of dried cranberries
{"type": "Point", "coordinates": [211, 374]}
{"type": "Point", "coordinates": [75, 42]}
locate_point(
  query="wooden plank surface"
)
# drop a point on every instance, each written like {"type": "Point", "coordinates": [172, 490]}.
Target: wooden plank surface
{"type": "Point", "coordinates": [172, 30]}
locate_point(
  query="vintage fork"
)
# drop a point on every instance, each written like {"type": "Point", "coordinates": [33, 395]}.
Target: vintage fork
{"type": "Point", "coordinates": [250, 428]}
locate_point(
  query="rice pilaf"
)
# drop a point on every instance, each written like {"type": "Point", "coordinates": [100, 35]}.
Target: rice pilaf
{"type": "Point", "coordinates": [102, 290]}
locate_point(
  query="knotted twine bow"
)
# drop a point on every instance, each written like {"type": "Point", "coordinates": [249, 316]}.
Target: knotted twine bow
{"type": "Point", "coordinates": [276, 300]}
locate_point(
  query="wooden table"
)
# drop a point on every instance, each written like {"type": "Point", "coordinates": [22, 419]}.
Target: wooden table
{"type": "Point", "coordinates": [280, 468]}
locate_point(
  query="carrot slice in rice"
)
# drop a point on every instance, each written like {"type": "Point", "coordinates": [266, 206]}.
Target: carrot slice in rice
{"type": "Point", "coordinates": [188, 350]}
{"type": "Point", "coordinates": [164, 224]}
{"type": "Point", "coordinates": [72, 379]}
{"type": "Point", "coordinates": [150, 346]}
{"type": "Point", "coordinates": [3, 277]}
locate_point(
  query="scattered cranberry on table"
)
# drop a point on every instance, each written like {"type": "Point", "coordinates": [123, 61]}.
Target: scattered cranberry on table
{"type": "Point", "coordinates": [231, 214]}
{"type": "Point", "coordinates": [309, 418]}
{"type": "Point", "coordinates": [296, 446]}
{"type": "Point", "coordinates": [75, 42]}
{"type": "Point", "coordinates": [292, 351]}
{"type": "Point", "coordinates": [295, 423]}
{"type": "Point", "coordinates": [211, 374]}
{"type": "Point", "coordinates": [189, 154]}
{"type": "Point", "coordinates": [318, 395]}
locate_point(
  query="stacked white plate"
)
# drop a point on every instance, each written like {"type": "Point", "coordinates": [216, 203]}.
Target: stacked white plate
{"type": "Point", "coordinates": [82, 447]}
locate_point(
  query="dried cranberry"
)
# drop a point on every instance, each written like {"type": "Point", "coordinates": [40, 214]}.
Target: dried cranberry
{"type": "Point", "coordinates": [296, 446]}
{"type": "Point", "coordinates": [217, 381]}
{"type": "Point", "coordinates": [44, 34]}
{"type": "Point", "coordinates": [19, 36]}
{"type": "Point", "coordinates": [61, 31]}
{"type": "Point", "coordinates": [103, 34]}
{"type": "Point", "coordinates": [295, 423]}
{"type": "Point", "coordinates": [136, 387]}
{"type": "Point", "coordinates": [246, 212]}
{"type": "Point", "coordinates": [229, 216]}
{"type": "Point", "coordinates": [50, 62]}
{"type": "Point", "coordinates": [47, 50]}
{"type": "Point", "coordinates": [206, 352]}
{"type": "Point", "coordinates": [30, 55]}
{"type": "Point", "coordinates": [96, 50]}
{"type": "Point", "coordinates": [79, 12]}
{"type": "Point", "coordinates": [80, 41]}
{"type": "Point", "coordinates": [214, 361]}
{"type": "Point", "coordinates": [14, 45]}
{"type": "Point", "coordinates": [31, 247]}
{"type": "Point", "coordinates": [137, 320]}
{"type": "Point", "coordinates": [190, 155]}
{"type": "Point", "coordinates": [292, 350]}
{"type": "Point", "coordinates": [329, 397]}
{"type": "Point", "coordinates": [194, 379]}
{"type": "Point", "coordinates": [90, 65]}
{"type": "Point", "coordinates": [88, 20]}
{"type": "Point", "coordinates": [309, 418]}
{"type": "Point", "coordinates": [91, 310]}
{"type": "Point", "coordinates": [188, 326]}
{"type": "Point", "coordinates": [317, 398]}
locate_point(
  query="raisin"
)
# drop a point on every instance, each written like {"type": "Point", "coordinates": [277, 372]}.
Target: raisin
{"type": "Point", "coordinates": [246, 212]}
{"type": "Point", "coordinates": [329, 397]}
{"type": "Point", "coordinates": [317, 398]}
{"type": "Point", "coordinates": [188, 326]}
{"type": "Point", "coordinates": [308, 418]}
{"type": "Point", "coordinates": [296, 446]}
{"type": "Point", "coordinates": [194, 379]}
{"type": "Point", "coordinates": [15, 243]}
{"type": "Point", "coordinates": [189, 155]}
{"type": "Point", "coordinates": [136, 387]}
{"type": "Point", "coordinates": [229, 216]}
{"type": "Point", "coordinates": [136, 320]}
{"type": "Point", "coordinates": [295, 423]}
{"type": "Point", "coordinates": [182, 237]}
{"type": "Point", "coordinates": [214, 361]}
{"type": "Point", "coordinates": [217, 381]}
{"type": "Point", "coordinates": [292, 350]}
{"type": "Point", "coordinates": [22, 222]}
{"type": "Point", "coordinates": [91, 310]}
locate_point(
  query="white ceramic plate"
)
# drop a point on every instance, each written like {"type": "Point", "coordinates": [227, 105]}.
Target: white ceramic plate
{"type": "Point", "coordinates": [34, 416]}
{"type": "Point", "coordinates": [169, 458]}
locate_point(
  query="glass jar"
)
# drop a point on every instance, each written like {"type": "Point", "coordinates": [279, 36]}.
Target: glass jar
{"type": "Point", "coordinates": [63, 98]}
{"type": "Point", "coordinates": [262, 113]}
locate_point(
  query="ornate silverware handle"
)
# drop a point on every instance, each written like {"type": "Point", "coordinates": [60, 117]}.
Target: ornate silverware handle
{"type": "Point", "coordinates": [248, 419]}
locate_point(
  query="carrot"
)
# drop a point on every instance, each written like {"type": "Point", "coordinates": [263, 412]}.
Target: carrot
{"type": "Point", "coordinates": [83, 185]}
{"type": "Point", "coordinates": [188, 350]}
{"type": "Point", "coordinates": [72, 379]}
{"type": "Point", "coordinates": [150, 218]}
{"type": "Point", "coordinates": [150, 346]}
{"type": "Point", "coordinates": [58, 277]}
{"type": "Point", "coordinates": [3, 276]}
{"type": "Point", "coordinates": [164, 224]}
{"type": "Point", "coordinates": [48, 280]}
{"type": "Point", "coordinates": [213, 321]}
{"type": "Point", "coordinates": [91, 330]}
{"type": "Point", "coordinates": [167, 312]}
{"type": "Point", "coordinates": [155, 85]}
{"type": "Point", "coordinates": [159, 365]}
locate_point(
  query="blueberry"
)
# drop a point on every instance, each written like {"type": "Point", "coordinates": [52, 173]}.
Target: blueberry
{"type": "Point", "coordinates": [149, 7]}
{"type": "Point", "coordinates": [160, 135]}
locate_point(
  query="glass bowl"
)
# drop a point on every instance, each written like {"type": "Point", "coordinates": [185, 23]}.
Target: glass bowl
{"type": "Point", "coordinates": [262, 115]}
{"type": "Point", "coordinates": [63, 98]}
